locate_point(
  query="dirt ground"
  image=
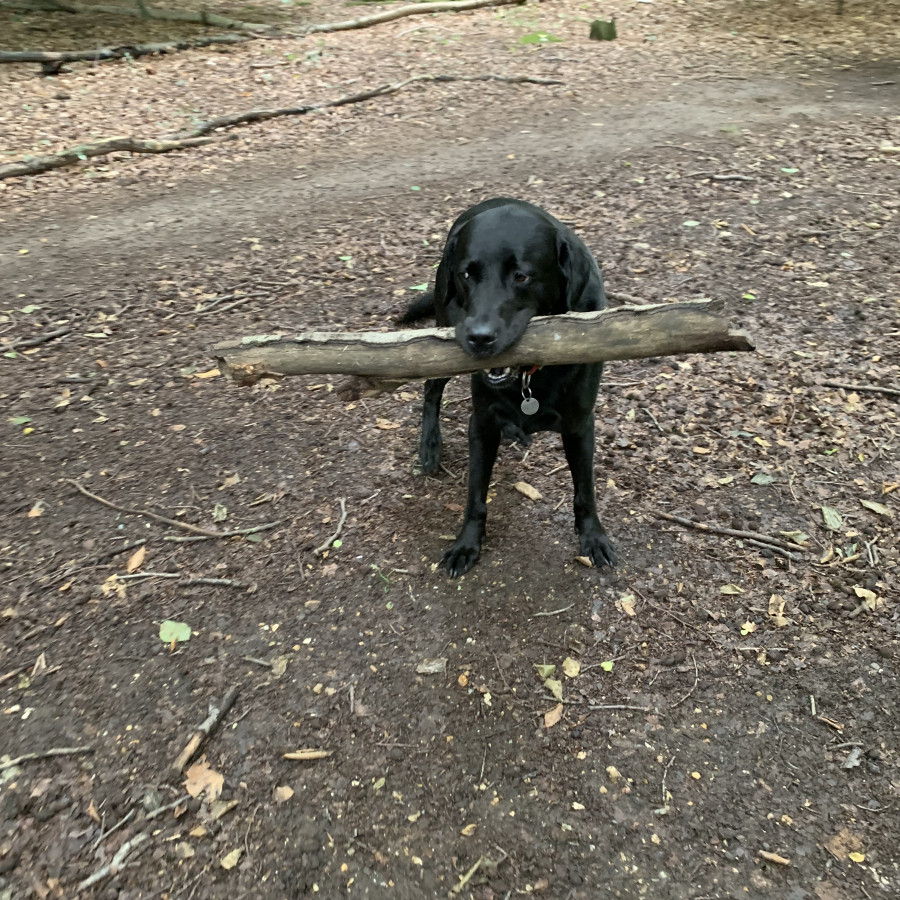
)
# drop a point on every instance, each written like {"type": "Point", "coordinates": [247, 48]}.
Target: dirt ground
{"type": "Point", "coordinates": [729, 716]}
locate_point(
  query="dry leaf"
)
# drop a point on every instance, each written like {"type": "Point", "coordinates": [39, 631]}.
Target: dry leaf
{"type": "Point", "coordinates": [201, 779]}
{"type": "Point", "coordinates": [36, 510]}
{"type": "Point", "coordinates": [776, 610]}
{"type": "Point", "coordinates": [136, 560]}
{"type": "Point", "coordinates": [625, 604]}
{"type": "Point", "coordinates": [283, 793]}
{"type": "Point", "coordinates": [555, 688]}
{"type": "Point", "coordinates": [571, 667]}
{"type": "Point", "coordinates": [308, 753]}
{"type": "Point", "coordinates": [113, 585]}
{"type": "Point", "coordinates": [730, 589]}
{"type": "Point", "coordinates": [230, 481]}
{"type": "Point", "coordinates": [469, 830]}
{"type": "Point", "coordinates": [218, 808]}
{"type": "Point", "coordinates": [211, 373]}
{"type": "Point", "coordinates": [231, 860]}
{"type": "Point", "coordinates": [183, 850]}
{"type": "Point", "coordinates": [524, 488]}
{"type": "Point", "coordinates": [552, 717]}
{"type": "Point", "coordinates": [844, 843]}
{"type": "Point", "coordinates": [92, 812]}
{"type": "Point", "coordinates": [585, 561]}
{"type": "Point", "coordinates": [386, 424]}
{"type": "Point", "coordinates": [879, 508]}
{"type": "Point", "coordinates": [774, 858]}
{"type": "Point", "coordinates": [613, 774]}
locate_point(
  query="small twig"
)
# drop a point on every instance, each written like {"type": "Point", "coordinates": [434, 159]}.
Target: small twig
{"type": "Point", "coordinates": [104, 835]}
{"type": "Point", "coordinates": [115, 864]}
{"type": "Point", "coordinates": [258, 662]}
{"type": "Point", "coordinates": [143, 512]}
{"type": "Point", "coordinates": [865, 388]}
{"type": "Point", "coordinates": [653, 419]}
{"type": "Point", "coordinates": [678, 619]}
{"type": "Point", "coordinates": [812, 704]}
{"type": "Point", "coordinates": [45, 754]}
{"type": "Point", "coordinates": [228, 582]}
{"type": "Point", "coordinates": [665, 799]}
{"type": "Point", "coordinates": [238, 532]}
{"type": "Point", "coordinates": [37, 341]}
{"type": "Point", "coordinates": [643, 709]}
{"type": "Point", "coordinates": [14, 672]}
{"type": "Point", "coordinates": [552, 612]}
{"type": "Point", "coordinates": [774, 549]}
{"type": "Point", "coordinates": [336, 535]}
{"type": "Point", "coordinates": [163, 809]}
{"type": "Point", "coordinates": [730, 532]}
{"type": "Point", "coordinates": [696, 682]}
{"type": "Point", "coordinates": [216, 714]}
{"type": "Point", "coordinates": [465, 879]}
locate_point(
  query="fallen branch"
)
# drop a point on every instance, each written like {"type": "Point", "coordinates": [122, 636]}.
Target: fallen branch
{"type": "Point", "coordinates": [198, 136]}
{"type": "Point", "coordinates": [414, 9]}
{"type": "Point", "coordinates": [729, 532]}
{"type": "Point", "coordinates": [396, 357]}
{"type": "Point", "coordinates": [52, 62]}
{"type": "Point", "coordinates": [115, 863]}
{"type": "Point", "coordinates": [864, 388]}
{"type": "Point", "coordinates": [216, 714]}
{"type": "Point", "coordinates": [45, 754]}
{"type": "Point", "coordinates": [37, 164]}
{"type": "Point", "coordinates": [383, 90]}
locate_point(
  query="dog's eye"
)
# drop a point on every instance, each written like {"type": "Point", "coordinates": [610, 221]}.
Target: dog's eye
{"type": "Point", "coordinates": [521, 278]}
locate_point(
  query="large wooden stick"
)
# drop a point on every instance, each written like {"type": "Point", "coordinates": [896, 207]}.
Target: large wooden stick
{"type": "Point", "coordinates": [388, 359]}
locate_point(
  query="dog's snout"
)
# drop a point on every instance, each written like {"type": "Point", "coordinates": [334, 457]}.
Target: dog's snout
{"type": "Point", "coordinates": [481, 338]}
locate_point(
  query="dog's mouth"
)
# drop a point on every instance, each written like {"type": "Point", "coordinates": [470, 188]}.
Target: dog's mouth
{"type": "Point", "coordinates": [497, 377]}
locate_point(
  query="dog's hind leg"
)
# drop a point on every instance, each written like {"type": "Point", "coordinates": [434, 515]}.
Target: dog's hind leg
{"type": "Point", "coordinates": [430, 446]}
{"type": "Point", "coordinates": [579, 447]}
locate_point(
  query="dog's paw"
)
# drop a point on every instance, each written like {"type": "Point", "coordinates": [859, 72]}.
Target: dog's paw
{"type": "Point", "coordinates": [430, 455]}
{"type": "Point", "coordinates": [598, 548]}
{"type": "Point", "coordinates": [460, 558]}
{"type": "Point", "coordinates": [515, 434]}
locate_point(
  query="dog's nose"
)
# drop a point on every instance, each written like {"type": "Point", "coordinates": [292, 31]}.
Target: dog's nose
{"type": "Point", "coordinates": [481, 339]}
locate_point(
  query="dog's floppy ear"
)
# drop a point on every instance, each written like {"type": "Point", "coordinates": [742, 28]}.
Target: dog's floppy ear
{"type": "Point", "coordinates": [583, 291]}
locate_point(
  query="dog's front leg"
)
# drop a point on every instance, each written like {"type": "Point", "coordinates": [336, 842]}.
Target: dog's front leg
{"type": "Point", "coordinates": [430, 446]}
{"type": "Point", "coordinates": [484, 440]}
{"type": "Point", "coordinates": [579, 447]}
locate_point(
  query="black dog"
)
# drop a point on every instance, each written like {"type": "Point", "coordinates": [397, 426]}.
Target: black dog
{"type": "Point", "coordinates": [504, 262]}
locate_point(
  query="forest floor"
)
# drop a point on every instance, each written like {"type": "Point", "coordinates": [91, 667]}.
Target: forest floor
{"type": "Point", "coordinates": [729, 716]}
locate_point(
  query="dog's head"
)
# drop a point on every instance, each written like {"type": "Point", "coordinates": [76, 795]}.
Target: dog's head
{"type": "Point", "coordinates": [503, 265]}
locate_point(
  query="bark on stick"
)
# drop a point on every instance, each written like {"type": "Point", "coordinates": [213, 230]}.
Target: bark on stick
{"type": "Point", "coordinates": [385, 360]}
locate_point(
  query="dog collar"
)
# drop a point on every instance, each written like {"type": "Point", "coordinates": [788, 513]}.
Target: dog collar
{"type": "Point", "coordinates": [529, 404]}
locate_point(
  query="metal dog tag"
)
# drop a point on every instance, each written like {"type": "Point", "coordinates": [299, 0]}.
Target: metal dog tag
{"type": "Point", "coordinates": [530, 406]}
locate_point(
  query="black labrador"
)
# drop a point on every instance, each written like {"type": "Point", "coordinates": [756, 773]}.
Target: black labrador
{"type": "Point", "coordinates": [504, 262]}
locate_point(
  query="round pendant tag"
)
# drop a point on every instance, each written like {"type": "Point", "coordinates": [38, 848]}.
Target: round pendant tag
{"type": "Point", "coordinates": [530, 406]}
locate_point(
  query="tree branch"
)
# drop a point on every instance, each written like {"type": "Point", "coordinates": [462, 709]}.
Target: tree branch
{"type": "Point", "coordinates": [197, 136]}
{"type": "Point", "coordinates": [384, 360]}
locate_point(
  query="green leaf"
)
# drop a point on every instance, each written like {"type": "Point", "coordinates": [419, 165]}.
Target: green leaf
{"type": "Point", "coordinates": [539, 37]}
{"type": "Point", "coordinates": [790, 171]}
{"type": "Point", "coordinates": [337, 544]}
{"type": "Point", "coordinates": [546, 670]}
{"type": "Point", "coordinates": [730, 589]}
{"type": "Point", "coordinates": [420, 287]}
{"type": "Point", "coordinates": [220, 513]}
{"type": "Point", "coordinates": [29, 309]}
{"type": "Point", "coordinates": [19, 420]}
{"type": "Point", "coordinates": [170, 630]}
{"type": "Point", "coordinates": [607, 665]}
{"type": "Point", "coordinates": [415, 187]}
{"type": "Point", "coordinates": [762, 478]}
{"type": "Point", "coordinates": [832, 518]}
{"type": "Point", "coordinates": [691, 223]}
{"type": "Point", "coordinates": [345, 258]}
{"type": "Point", "coordinates": [255, 538]}
{"type": "Point", "coordinates": [749, 296]}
